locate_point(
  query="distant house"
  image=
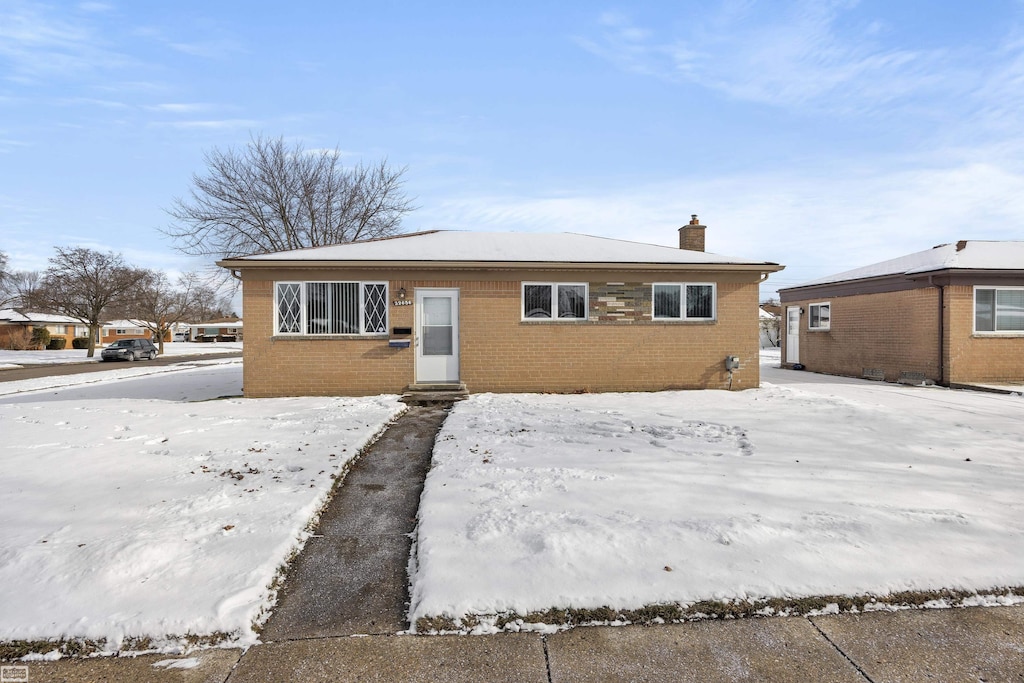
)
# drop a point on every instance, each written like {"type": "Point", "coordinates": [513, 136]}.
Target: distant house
{"type": "Point", "coordinates": [953, 315]}
{"type": "Point", "coordinates": [16, 327]}
{"type": "Point", "coordinates": [223, 329]}
{"type": "Point", "coordinates": [503, 312]}
{"type": "Point", "coordinates": [113, 330]}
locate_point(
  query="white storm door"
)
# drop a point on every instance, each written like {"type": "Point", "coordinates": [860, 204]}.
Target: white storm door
{"type": "Point", "coordinates": [437, 335]}
{"type": "Point", "coordinates": [793, 334]}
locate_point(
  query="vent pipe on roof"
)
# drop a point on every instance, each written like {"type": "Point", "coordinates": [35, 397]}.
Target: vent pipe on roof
{"type": "Point", "coordinates": [691, 236]}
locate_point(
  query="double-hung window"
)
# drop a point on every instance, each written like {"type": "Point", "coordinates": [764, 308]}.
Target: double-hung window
{"type": "Point", "coordinates": [683, 301]}
{"type": "Point", "coordinates": [565, 301]}
{"type": "Point", "coordinates": [999, 309]}
{"type": "Point", "coordinates": [322, 308]}
{"type": "Point", "coordinates": [819, 316]}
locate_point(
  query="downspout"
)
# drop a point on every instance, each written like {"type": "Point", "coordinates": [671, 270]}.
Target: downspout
{"type": "Point", "coordinates": [942, 330]}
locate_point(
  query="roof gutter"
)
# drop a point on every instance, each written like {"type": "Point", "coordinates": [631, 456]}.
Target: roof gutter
{"type": "Point", "coordinates": [239, 264]}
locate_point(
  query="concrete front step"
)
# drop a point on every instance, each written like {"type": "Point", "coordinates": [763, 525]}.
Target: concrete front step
{"type": "Point", "coordinates": [432, 394]}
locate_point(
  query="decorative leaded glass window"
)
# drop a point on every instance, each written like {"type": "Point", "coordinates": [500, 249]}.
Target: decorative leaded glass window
{"type": "Point", "coordinates": [331, 308]}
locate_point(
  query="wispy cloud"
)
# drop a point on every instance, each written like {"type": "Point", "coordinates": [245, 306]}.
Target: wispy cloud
{"type": "Point", "coordinates": [816, 225]}
{"type": "Point", "coordinates": [35, 43]}
{"type": "Point", "coordinates": [91, 101]}
{"type": "Point", "coordinates": [95, 6]}
{"type": "Point", "coordinates": [795, 54]}
{"type": "Point", "coordinates": [180, 107]}
{"type": "Point", "coordinates": [8, 144]}
{"type": "Point", "coordinates": [216, 47]}
{"type": "Point", "coordinates": [211, 124]}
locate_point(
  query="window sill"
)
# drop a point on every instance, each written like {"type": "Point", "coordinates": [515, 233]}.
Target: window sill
{"type": "Point", "coordinates": [548, 321]}
{"type": "Point", "coordinates": [819, 329]}
{"type": "Point", "coordinates": [615, 321]}
{"type": "Point", "coordinates": [998, 335]}
{"type": "Point", "coordinates": [329, 337]}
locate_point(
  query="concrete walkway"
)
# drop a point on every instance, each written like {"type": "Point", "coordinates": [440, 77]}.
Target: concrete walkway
{"type": "Point", "coordinates": [351, 578]}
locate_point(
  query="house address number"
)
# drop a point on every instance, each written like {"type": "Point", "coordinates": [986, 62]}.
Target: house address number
{"type": "Point", "coordinates": [401, 302]}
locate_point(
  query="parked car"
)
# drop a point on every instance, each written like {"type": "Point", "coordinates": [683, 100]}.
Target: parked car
{"type": "Point", "coordinates": [180, 337]}
{"type": "Point", "coordinates": [130, 349]}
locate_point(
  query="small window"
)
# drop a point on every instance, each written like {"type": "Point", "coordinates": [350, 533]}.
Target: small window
{"type": "Point", "coordinates": [819, 316]}
{"type": "Point", "coordinates": [566, 301]}
{"type": "Point", "coordinates": [999, 309]}
{"type": "Point", "coordinates": [683, 301]}
{"type": "Point", "coordinates": [120, 331]}
{"type": "Point", "coordinates": [331, 308]}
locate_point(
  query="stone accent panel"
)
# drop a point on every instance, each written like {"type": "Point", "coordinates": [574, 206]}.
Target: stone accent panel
{"type": "Point", "coordinates": [620, 301]}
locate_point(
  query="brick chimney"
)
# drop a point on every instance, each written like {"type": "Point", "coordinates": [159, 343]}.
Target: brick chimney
{"type": "Point", "coordinates": [692, 236]}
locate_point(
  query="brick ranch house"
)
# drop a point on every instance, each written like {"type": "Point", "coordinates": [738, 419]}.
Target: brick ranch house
{"type": "Point", "coordinates": [16, 327]}
{"type": "Point", "coordinates": [223, 329]}
{"type": "Point", "coordinates": [499, 312]}
{"type": "Point", "coordinates": [114, 330]}
{"type": "Point", "coordinates": [953, 314]}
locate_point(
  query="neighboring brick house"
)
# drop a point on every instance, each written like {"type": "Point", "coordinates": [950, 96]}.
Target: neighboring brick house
{"type": "Point", "coordinates": [126, 329]}
{"type": "Point", "coordinates": [502, 312]}
{"type": "Point", "coordinates": [953, 314]}
{"type": "Point", "coordinates": [223, 329]}
{"type": "Point", "coordinates": [15, 325]}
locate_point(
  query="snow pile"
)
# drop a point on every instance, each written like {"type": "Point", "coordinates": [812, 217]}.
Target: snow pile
{"type": "Point", "coordinates": [130, 518]}
{"type": "Point", "coordinates": [828, 487]}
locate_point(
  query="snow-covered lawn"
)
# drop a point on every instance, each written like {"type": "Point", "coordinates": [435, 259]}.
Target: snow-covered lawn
{"type": "Point", "coordinates": [131, 517]}
{"type": "Point", "coordinates": [16, 359]}
{"type": "Point", "coordinates": [811, 485]}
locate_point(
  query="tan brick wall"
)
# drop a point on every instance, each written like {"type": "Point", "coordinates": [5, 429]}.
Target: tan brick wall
{"type": "Point", "coordinates": [974, 358]}
{"type": "Point", "coordinates": [501, 353]}
{"type": "Point", "coordinates": [892, 331]}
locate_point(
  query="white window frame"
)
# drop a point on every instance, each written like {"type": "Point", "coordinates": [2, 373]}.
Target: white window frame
{"type": "Point", "coordinates": [682, 301]}
{"type": "Point", "coordinates": [995, 313]}
{"type": "Point", "coordinates": [303, 308]}
{"type": "Point", "coordinates": [554, 301]}
{"type": "Point", "coordinates": [810, 316]}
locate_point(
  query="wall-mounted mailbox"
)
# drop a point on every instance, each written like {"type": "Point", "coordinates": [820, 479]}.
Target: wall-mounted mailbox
{"type": "Point", "coordinates": [399, 343]}
{"type": "Point", "coordinates": [401, 330]}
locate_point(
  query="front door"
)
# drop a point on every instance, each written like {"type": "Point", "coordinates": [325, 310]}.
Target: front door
{"type": "Point", "coordinates": [793, 334]}
{"type": "Point", "coordinates": [437, 335]}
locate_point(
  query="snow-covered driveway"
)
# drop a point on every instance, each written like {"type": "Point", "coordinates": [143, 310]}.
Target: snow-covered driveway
{"type": "Point", "coordinates": [811, 485]}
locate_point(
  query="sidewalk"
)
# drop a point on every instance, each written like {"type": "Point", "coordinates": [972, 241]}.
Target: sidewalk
{"type": "Point", "coordinates": [969, 644]}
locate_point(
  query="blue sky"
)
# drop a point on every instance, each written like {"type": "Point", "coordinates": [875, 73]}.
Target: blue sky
{"type": "Point", "coordinates": [821, 135]}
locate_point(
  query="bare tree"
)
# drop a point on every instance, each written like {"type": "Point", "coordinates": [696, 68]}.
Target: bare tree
{"type": "Point", "coordinates": [83, 284]}
{"type": "Point", "coordinates": [20, 288]}
{"type": "Point", "coordinates": [274, 196]}
{"type": "Point", "coordinates": [771, 330]}
{"type": "Point", "coordinates": [208, 303]}
{"type": "Point", "coordinates": [157, 305]}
